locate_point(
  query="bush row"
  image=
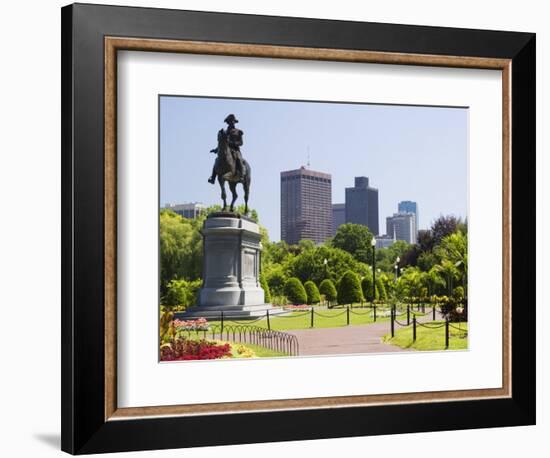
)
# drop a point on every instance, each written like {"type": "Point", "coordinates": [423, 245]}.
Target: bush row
{"type": "Point", "coordinates": [350, 289]}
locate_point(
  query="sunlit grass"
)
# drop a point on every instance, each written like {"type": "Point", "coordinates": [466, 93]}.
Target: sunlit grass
{"type": "Point", "coordinates": [430, 339]}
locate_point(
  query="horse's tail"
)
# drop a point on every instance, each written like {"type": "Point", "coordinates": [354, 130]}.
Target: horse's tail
{"type": "Point", "coordinates": [248, 172]}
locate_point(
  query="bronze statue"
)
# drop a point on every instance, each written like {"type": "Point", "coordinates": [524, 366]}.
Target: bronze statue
{"type": "Point", "coordinates": [230, 165]}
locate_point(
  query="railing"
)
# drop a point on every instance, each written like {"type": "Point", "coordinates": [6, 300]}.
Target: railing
{"type": "Point", "coordinates": [277, 341]}
{"type": "Point", "coordinates": [416, 324]}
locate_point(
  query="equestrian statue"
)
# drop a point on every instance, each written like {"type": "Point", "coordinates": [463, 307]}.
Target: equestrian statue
{"type": "Point", "coordinates": [230, 165]}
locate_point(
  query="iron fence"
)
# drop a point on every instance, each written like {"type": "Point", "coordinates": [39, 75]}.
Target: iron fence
{"type": "Point", "coordinates": [278, 341]}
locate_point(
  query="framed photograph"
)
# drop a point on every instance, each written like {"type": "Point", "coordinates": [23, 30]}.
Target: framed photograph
{"type": "Point", "coordinates": [285, 228]}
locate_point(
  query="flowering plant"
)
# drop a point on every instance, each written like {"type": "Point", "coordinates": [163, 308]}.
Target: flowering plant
{"type": "Point", "coordinates": [200, 324]}
{"type": "Point", "coordinates": [297, 307]}
{"type": "Point", "coordinates": [186, 350]}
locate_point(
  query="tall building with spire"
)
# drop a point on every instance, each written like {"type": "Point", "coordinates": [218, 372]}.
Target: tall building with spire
{"type": "Point", "coordinates": [401, 226]}
{"type": "Point", "coordinates": [306, 205]}
{"type": "Point", "coordinates": [408, 206]}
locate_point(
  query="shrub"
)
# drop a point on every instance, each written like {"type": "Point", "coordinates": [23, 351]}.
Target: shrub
{"type": "Point", "coordinates": [181, 293]}
{"type": "Point", "coordinates": [458, 293]}
{"type": "Point", "coordinates": [327, 289]}
{"type": "Point", "coordinates": [295, 291]}
{"type": "Point", "coordinates": [380, 290]}
{"type": "Point", "coordinates": [279, 300]}
{"type": "Point", "coordinates": [349, 290]}
{"type": "Point", "coordinates": [265, 287]}
{"type": "Point", "coordinates": [366, 287]}
{"type": "Point", "coordinates": [275, 277]}
{"type": "Point", "coordinates": [167, 329]}
{"type": "Point", "coordinates": [313, 296]}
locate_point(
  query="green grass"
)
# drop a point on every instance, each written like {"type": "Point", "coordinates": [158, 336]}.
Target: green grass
{"type": "Point", "coordinates": [430, 339]}
{"type": "Point", "coordinates": [331, 318]}
{"type": "Point", "coordinates": [262, 352]}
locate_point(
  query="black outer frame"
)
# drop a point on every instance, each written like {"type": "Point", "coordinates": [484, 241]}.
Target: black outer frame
{"type": "Point", "coordinates": [84, 429]}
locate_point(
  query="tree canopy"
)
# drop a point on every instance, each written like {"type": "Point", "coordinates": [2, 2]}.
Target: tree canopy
{"type": "Point", "coordinates": [356, 240]}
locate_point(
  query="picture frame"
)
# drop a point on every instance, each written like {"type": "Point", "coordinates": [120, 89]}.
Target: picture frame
{"type": "Point", "coordinates": [91, 37]}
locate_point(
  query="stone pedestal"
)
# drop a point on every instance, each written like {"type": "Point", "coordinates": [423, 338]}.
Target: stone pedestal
{"type": "Point", "coordinates": [231, 269]}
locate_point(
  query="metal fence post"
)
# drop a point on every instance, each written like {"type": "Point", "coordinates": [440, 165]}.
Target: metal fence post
{"type": "Point", "coordinates": [408, 315]}
{"type": "Point", "coordinates": [447, 333]}
{"type": "Point", "coordinates": [414, 329]}
{"type": "Point", "coordinates": [392, 312]}
{"type": "Point", "coordinates": [268, 323]}
{"type": "Point", "coordinates": [312, 316]}
{"type": "Point", "coordinates": [433, 312]}
{"type": "Point", "coordinates": [347, 315]}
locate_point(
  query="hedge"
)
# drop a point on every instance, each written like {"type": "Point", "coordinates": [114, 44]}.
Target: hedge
{"type": "Point", "coordinates": [349, 290]}
{"type": "Point", "coordinates": [313, 296]}
{"type": "Point", "coordinates": [328, 289]}
{"type": "Point", "coordinates": [295, 291]}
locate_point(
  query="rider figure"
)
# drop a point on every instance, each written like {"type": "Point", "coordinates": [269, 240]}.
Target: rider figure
{"type": "Point", "coordinates": [235, 141]}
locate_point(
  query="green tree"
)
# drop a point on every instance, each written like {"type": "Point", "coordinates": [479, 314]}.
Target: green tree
{"type": "Point", "coordinates": [306, 244]}
{"type": "Point", "coordinates": [265, 287]}
{"type": "Point", "coordinates": [327, 289]}
{"type": "Point", "coordinates": [449, 273]}
{"type": "Point", "coordinates": [276, 252]}
{"type": "Point", "coordinates": [411, 283]}
{"type": "Point", "coordinates": [388, 281]}
{"type": "Point", "coordinates": [295, 291]}
{"type": "Point", "coordinates": [426, 261]}
{"type": "Point", "coordinates": [276, 277]}
{"type": "Point", "coordinates": [310, 264]}
{"type": "Point", "coordinates": [180, 248]}
{"type": "Point", "coordinates": [453, 252]}
{"type": "Point", "coordinates": [444, 226]}
{"type": "Point", "coordinates": [313, 296]}
{"type": "Point", "coordinates": [386, 257]}
{"type": "Point", "coordinates": [349, 290]}
{"type": "Point", "coordinates": [356, 240]}
{"type": "Point", "coordinates": [434, 281]}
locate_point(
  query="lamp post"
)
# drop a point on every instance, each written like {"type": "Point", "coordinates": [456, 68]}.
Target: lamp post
{"type": "Point", "coordinates": [373, 244]}
{"type": "Point", "coordinates": [397, 268]}
{"type": "Point", "coordinates": [325, 263]}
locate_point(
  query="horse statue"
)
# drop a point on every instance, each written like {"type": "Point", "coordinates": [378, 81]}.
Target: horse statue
{"type": "Point", "coordinates": [226, 170]}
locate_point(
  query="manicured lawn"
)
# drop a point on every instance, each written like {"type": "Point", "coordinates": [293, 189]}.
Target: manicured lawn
{"type": "Point", "coordinates": [430, 339]}
{"type": "Point", "coordinates": [323, 318]}
{"type": "Point", "coordinates": [262, 352]}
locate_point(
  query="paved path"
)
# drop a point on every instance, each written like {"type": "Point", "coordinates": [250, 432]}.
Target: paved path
{"type": "Point", "coordinates": [348, 339]}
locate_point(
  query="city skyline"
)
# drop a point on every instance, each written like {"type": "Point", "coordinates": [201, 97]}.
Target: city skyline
{"type": "Point", "coordinates": [432, 170]}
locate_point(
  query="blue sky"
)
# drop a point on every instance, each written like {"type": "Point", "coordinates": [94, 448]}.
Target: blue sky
{"type": "Point", "coordinates": [408, 152]}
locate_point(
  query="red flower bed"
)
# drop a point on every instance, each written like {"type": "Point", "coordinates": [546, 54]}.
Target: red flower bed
{"type": "Point", "coordinates": [297, 307]}
{"type": "Point", "coordinates": [185, 350]}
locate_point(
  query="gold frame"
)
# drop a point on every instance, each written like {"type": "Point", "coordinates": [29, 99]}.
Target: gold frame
{"type": "Point", "coordinates": [114, 44]}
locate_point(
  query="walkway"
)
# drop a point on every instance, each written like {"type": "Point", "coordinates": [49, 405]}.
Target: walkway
{"type": "Point", "coordinates": [348, 339]}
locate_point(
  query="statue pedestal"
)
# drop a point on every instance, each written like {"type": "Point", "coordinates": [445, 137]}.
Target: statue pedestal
{"type": "Point", "coordinates": [231, 269]}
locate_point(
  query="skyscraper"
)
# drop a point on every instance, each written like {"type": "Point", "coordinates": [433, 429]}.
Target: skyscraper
{"type": "Point", "coordinates": [401, 226]}
{"type": "Point", "coordinates": [338, 216]}
{"type": "Point", "coordinates": [407, 206]}
{"type": "Point", "coordinates": [362, 204]}
{"type": "Point", "coordinates": [306, 205]}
